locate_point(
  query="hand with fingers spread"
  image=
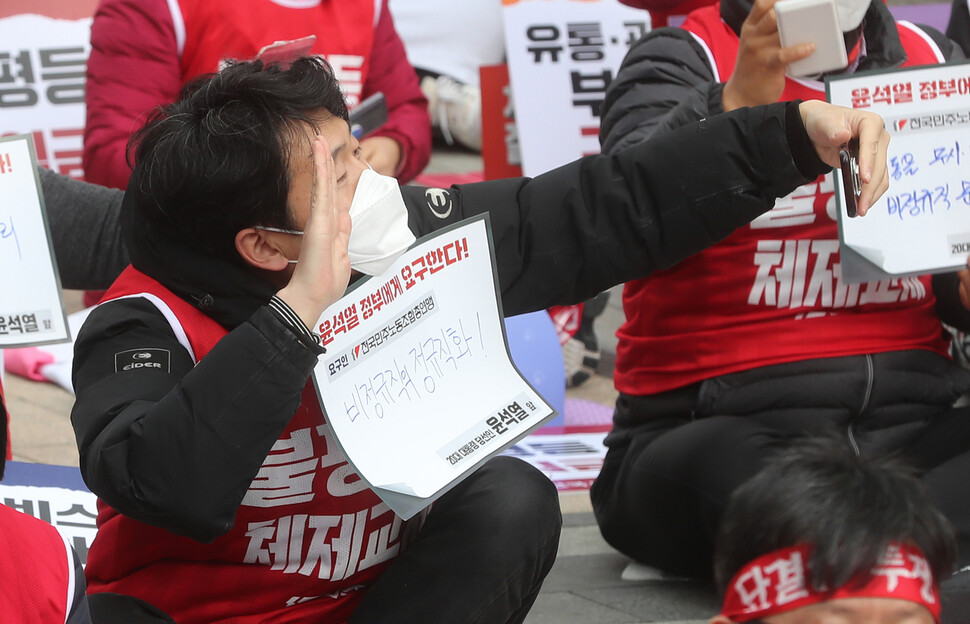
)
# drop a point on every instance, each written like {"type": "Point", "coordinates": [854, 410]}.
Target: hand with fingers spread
{"type": "Point", "coordinates": [323, 269]}
{"type": "Point", "coordinates": [759, 72]}
{"type": "Point", "coordinates": [830, 127]}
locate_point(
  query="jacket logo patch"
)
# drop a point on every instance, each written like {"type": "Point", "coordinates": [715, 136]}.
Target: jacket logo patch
{"type": "Point", "coordinates": [149, 359]}
{"type": "Point", "coordinates": [439, 202]}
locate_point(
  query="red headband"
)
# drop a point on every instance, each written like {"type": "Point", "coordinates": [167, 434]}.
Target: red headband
{"type": "Point", "coordinates": [780, 582]}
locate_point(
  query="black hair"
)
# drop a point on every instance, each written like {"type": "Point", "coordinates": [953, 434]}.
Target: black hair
{"type": "Point", "coordinates": [848, 508]}
{"type": "Point", "coordinates": [216, 160]}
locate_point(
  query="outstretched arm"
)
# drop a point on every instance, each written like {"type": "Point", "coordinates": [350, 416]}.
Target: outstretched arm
{"type": "Point", "coordinates": [568, 234]}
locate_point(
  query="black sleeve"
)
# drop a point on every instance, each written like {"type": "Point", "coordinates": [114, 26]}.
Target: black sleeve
{"type": "Point", "coordinates": [959, 27]}
{"type": "Point", "coordinates": [950, 47]}
{"type": "Point", "coordinates": [85, 229]}
{"type": "Point", "coordinates": [664, 82]}
{"type": "Point", "coordinates": [78, 612]}
{"type": "Point", "coordinates": [568, 234]}
{"type": "Point", "coordinates": [177, 445]}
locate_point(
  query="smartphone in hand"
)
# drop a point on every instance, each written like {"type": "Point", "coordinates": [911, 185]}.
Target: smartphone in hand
{"type": "Point", "coordinates": [368, 116]}
{"type": "Point", "coordinates": [812, 21]}
{"type": "Point", "coordinates": [851, 183]}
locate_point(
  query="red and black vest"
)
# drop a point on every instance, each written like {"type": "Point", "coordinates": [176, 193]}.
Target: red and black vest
{"type": "Point", "coordinates": [772, 292]}
{"type": "Point", "coordinates": [307, 541]}
{"type": "Point", "coordinates": [209, 31]}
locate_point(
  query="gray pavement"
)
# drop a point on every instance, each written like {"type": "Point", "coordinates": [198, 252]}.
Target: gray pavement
{"type": "Point", "coordinates": [585, 585]}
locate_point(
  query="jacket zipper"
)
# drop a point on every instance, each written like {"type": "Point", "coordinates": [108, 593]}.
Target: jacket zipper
{"type": "Point", "coordinates": [870, 373]}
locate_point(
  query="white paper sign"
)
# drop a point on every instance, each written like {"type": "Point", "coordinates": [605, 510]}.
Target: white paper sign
{"type": "Point", "coordinates": [562, 54]}
{"type": "Point", "coordinates": [417, 383]}
{"type": "Point", "coordinates": [31, 305]}
{"type": "Point", "coordinates": [922, 223]}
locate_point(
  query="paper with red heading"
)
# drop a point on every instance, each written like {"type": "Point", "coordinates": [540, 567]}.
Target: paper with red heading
{"type": "Point", "coordinates": [922, 223]}
{"type": "Point", "coordinates": [417, 384]}
{"type": "Point", "coordinates": [31, 306]}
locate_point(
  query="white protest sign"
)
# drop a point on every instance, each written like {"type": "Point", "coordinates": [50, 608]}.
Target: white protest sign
{"type": "Point", "coordinates": [31, 305]}
{"type": "Point", "coordinates": [922, 223]}
{"type": "Point", "coordinates": [417, 383]}
{"type": "Point", "coordinates": [562, 55]}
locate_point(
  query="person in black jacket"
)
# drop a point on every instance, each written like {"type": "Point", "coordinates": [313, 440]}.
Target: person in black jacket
{"type": "Point", "coordinates": [758, 341]}
{"type": "Point", "coordinates": [239, 240]}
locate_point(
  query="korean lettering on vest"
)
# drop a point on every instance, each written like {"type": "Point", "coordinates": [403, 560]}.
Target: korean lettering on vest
{"type": "Point", "coordinates": [807, 273]}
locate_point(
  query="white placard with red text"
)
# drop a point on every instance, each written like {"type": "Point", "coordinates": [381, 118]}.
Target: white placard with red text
{"type": "Point", "coordinates": [922, 223]}
{"type": "Point", "coordinates": [562, 54]}
{"type": "Point", "coordinates": [417, 383]}
{"type": "Point", "coordinates": [31, 307]}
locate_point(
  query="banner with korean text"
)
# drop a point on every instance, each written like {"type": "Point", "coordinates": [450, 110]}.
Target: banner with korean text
{"type": "Point", "coordinates": [417, 384]}
{"type": "Point", "coordinates": [922, 223]}
{"type": "Point", "coordinates": [43, 58]}
{"type": "Point", "coordinates": [562, 55]}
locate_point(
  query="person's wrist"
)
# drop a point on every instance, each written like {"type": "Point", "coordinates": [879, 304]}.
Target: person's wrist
{"type": "Point", "coordinates": [306, 307]}
{"type": "Point", "coordinates": [803, 151]}
{"type": "Point", "coordinates": [729, 99]}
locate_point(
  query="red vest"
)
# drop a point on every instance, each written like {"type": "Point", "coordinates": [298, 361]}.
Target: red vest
{"type": "Point", "coordinates": [772, 291]}
{"type": "Point", "coordinates": [220, 29]}
{"type": "Point", "coordinates": [308, 539]}
{"type": "Point", "coordinates": [37, 573]}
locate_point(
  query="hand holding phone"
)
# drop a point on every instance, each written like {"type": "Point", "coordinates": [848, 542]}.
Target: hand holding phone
{"type": "Point", "coordinates": [812, 21]}
{"type": "Point", "coordinates": [368, 116]}
{"type": "Point", "coordinates": [851, 183]}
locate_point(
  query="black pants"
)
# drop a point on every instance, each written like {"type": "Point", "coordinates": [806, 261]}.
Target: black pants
{"type": "Point", "coordinates": [675, 458]}
{"type": "Point", "coordinates": [480, 557]}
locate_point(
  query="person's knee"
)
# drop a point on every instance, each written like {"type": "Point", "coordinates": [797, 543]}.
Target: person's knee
{"type": "Point", "coordinates": [514, 500]}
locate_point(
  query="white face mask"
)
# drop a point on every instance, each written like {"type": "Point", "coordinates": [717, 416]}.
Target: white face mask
{"type": "Point", "coordinates": [851, 13]}
{"type": "Point", "coordinates": [379, 219]}
{"type": "Point", "coordinates": [380, 231]}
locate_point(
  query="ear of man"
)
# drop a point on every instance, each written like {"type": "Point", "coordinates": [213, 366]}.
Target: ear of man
{"type": "Point", "coordinates": [261, 249]}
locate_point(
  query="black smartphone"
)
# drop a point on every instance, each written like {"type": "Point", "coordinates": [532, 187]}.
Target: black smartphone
{"type": "Point", "coordinates": [851, 184]}
{"type": "Point", "coordinates": [368, 116]}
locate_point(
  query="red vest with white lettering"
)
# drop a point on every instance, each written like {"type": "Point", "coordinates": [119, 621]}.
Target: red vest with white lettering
{"type": "Point", "coordinates": [772, 291]}
{"type": "Point", "coordinates": [213, 30]}
{"type": "Point", "coordinates": [308, 539]}
{"type": "Point", "coordinates": [37, 574]}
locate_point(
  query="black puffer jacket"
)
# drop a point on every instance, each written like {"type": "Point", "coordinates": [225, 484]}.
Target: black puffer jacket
{"type": "Point", "coordinates": [178, 448]}
{"type": "Point", "coordinates": [666, 80]}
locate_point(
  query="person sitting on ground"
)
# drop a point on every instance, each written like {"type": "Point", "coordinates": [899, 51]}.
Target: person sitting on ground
{"type": "Point", "coordinates": [758, 341]}
{"type": "Point", "coordinates": [222, 494]}
{"type": "Point", "coordinates": [822, 535]}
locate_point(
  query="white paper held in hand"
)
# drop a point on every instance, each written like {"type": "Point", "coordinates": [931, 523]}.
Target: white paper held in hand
{"type": "Point", "coordinates": [417, 385]}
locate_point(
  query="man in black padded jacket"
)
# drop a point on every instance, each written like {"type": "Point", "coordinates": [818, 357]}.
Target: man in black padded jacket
{"type": "Point", "coordinates": [238, 241]}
